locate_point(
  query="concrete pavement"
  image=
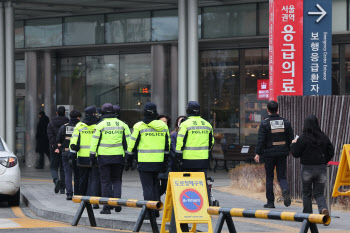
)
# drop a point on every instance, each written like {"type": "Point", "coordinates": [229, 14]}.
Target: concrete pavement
{"type": "Point", "coordinates": [38, 195]}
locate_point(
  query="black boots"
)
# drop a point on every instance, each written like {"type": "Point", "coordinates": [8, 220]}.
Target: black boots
{"type": "Point", "coordinates": [286, 197]}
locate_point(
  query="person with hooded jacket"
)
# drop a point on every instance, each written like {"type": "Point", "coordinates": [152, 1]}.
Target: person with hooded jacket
{"type": "Point", "coordinates": [89, 182]}
{"type": "Point", "coordinates": [150, 140]}
{"type": "Point", "coordinates": [63, 138]}
{"type": "Point", "coordinates": [108, 146]}
{"type": "Point", "coordinates": [55, 153]}
{"type": "Point", "coordinates": [42, 141]}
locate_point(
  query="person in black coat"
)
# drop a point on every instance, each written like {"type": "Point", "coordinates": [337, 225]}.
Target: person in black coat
{"type": "Point", "coordinates": [55, 153]}
{"type": "Point", "coordinates": [315, 150]}
{"type": "Point", "coordinates": [274, 139]}
{"type": "Point", "coordinates": [42, 141]}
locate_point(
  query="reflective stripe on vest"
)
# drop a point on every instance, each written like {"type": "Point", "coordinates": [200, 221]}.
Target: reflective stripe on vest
{"type": "Point", "coordinates": [112, 128]}
{"type": "Point", "coordinates": [199, 127]}
{"type": "Point", "coordinates": [196, 148]}
{"type": "Point", "coordinates": [111, 145]}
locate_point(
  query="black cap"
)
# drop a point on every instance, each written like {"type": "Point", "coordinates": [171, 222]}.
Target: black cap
{"type": "Point", "coordinates": [61, 111]}
{"type": "Point", "coordinates": [116, 109]}
{"type": "Point", "coordinates": [90, 110]}
{"type": "Point", "coordinates": [107, 107]}
{"type": "Point", "coordinates": [193, 107]}
{"type": "Point", "coordinates": [74, 114]}
{"type": "Point", "coordinates": [150, 109]}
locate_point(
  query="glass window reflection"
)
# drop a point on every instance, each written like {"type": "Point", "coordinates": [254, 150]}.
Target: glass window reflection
{"type": "Point", "coordinates": [19, 34]}
{"type": "Point", "coordinates": [102, 80]}
{"type": "Point", "coordinates": [128, 27]}
{"type": "Point", "coordinates": [164, 25]}
{"type": "Point", "coordinates": [252, 109]}
{"type": "Point", "coordinates": [81, 30]}
{"type": "Point", "coordinates": [43, 32]}
{"type": "Point", "coordinates": [71, 80]}
{"type": "Point", "coordinates": [135, 85]}
{"type": "Point", "coordinates": [229, 21]}
{"type": "Point", "coordinates": [264, 18]}
{"type": "Point", "coordinates": [220, 95]}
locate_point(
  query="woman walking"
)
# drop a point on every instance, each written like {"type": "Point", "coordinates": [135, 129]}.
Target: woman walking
{"type": "Point", "coordinates": [315, 150]}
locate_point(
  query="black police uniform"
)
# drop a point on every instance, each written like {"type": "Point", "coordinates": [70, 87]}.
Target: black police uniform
{"type": "Point", "coordinates": [274, 139]}
{"type": "Point", "coordinates": [63, 137]}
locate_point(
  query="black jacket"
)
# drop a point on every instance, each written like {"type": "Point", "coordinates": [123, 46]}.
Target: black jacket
{"type": "Point", "coordinates": [274, 137]}
{"type": "Point", "coordinates": [42, 141]}
{"type": "Point", "coordinates": [65, 133]}
{"type": "Point", "coordinates": [52, 130]}
{"type": "Point", "coordinates": [311, 154]}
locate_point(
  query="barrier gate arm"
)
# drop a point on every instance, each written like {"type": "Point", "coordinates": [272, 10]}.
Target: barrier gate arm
{"type": "Point", "coordinates": [147, 207]}
{"type": "Point", "coordinates": [309, 220]}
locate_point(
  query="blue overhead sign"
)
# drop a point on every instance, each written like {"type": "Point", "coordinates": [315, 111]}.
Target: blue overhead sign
{"type": "Point", "coordinates": [317, 68]}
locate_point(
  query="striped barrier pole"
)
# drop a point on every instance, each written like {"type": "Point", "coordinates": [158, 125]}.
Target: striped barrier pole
{"type": "Point", "coordinates": [147, 207]}
{"type": "Point", "coordinates": [308, 220]}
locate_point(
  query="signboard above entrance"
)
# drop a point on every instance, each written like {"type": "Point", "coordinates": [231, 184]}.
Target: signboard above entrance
{"type": "Point", "coordinates": [285, 48]}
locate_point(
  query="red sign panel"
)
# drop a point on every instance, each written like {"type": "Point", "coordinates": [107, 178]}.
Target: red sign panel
{"type": "Point", "coordinates": [285, 48]}
{"type": "Point", "coordinates": [263, 89]}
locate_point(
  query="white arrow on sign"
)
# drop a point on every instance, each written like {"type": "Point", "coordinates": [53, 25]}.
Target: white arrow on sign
{"type": "Point", "coordinates": [322, 13]}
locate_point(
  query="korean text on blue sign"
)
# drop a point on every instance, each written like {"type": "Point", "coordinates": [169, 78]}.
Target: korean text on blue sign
{"type": "Point", "coordinates": [317, 47]}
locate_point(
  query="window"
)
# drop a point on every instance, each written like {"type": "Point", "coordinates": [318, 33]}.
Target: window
{"type": "Point", "coordinates": [252, 110]}
{"type": "Point", "coordinates": [19, 34]}
{"type": "Point", "coordinates": [165, 25]}
{"type": "Point", "coordinates": [229, 21]}
{"type": "Point", "coordinates": [83, 30]}
{"type": "Point", "coordinates": [43, 32]}
{"type": "Point", "coordinates": [220, 95]}
{"type": "Point", "coordinates": [135, 85]}
{"type": "Point", "coordinates": [20, 72]}
{"type": "Point", "coordinates": [128, 27]}
{"type": "Point", "coordinates": [264, 18]}
{"type": "Point", "coordinates": [339, 15]}
{"type": "Point", "coordinates": [102, 80]}
{"type": "Point", "coordinates": [71, 80]}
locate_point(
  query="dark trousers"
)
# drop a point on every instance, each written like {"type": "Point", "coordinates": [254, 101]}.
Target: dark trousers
{"type": "Point", "coordinates": [68, 172]}
{"type": "Point", "coordinates": [270, 163]}
{"type": "Point", "coordinates": [313, 181]}
{"type": "Point", "coordinates": [149, 181]}
{"type": "Point", "coordinates": [94, 186]}
{"type": "Point", "coordinates": [56, 166]}
{"type": "Point", "coordinates": [84, 173]}
{"type": "Point", "coordinates": [40, 163]}
{"type": "Point", "coordinates": [111, 179]}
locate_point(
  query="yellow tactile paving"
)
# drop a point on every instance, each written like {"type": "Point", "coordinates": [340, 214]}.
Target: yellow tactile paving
{"type": "Point", "coordinates": [25, 222]}
{"type": "Point", "coordinates": [37, 180]}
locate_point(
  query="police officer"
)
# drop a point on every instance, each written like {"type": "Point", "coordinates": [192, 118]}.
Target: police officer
{"type": "Point", "coordinates": [151, 141]}
{"type": "Point", "coordinates": [194, 141]}
{"type": "Point", "coordinates": [80, 143]}
{"type": "Point", "coordinates": [274, 139]}
{"type": "Point", "coordinates": [63, 139]}
{"type": "Point", "coordinates": [107, 149]}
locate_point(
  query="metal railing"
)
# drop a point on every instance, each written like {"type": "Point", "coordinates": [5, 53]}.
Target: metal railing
{"type": "Point", "coordinates": [147, 207]}
{"type": "Point", "coordinates": [226, 214]}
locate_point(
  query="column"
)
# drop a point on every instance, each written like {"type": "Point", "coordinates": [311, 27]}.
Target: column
{"type": "Point", "coordinates": [158, 85]}
{"type": "Point", "coordinates": [174, 82]}
{"type": "Point", "coordinates": [2, 73]}
{"type": "Point", "coordinates": [31, 103]}
{"type": "Point", "coordinates": [182, 59]}
{"type": "Point", "coordinates": [10, 76]}
{"type": "Point", "coordinates": [192, 50]}
{"type": "Point", "coordinates": [48, 94]}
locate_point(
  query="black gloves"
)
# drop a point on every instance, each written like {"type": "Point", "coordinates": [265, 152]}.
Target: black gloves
{"type": "Point", "coordinates": [74, 147]}
{"type": "Point", "coordinates": [177, 163]}
{"type": "Point", "coordinates": [165, 164]}
{"type": "Point", "coordinates": [93, 160]}
{"type": "Point", "coordinates": [128, 161]}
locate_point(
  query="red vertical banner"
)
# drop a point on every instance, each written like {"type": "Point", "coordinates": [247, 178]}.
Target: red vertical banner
{"type": "Point", "coordinates": [285, 48]}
